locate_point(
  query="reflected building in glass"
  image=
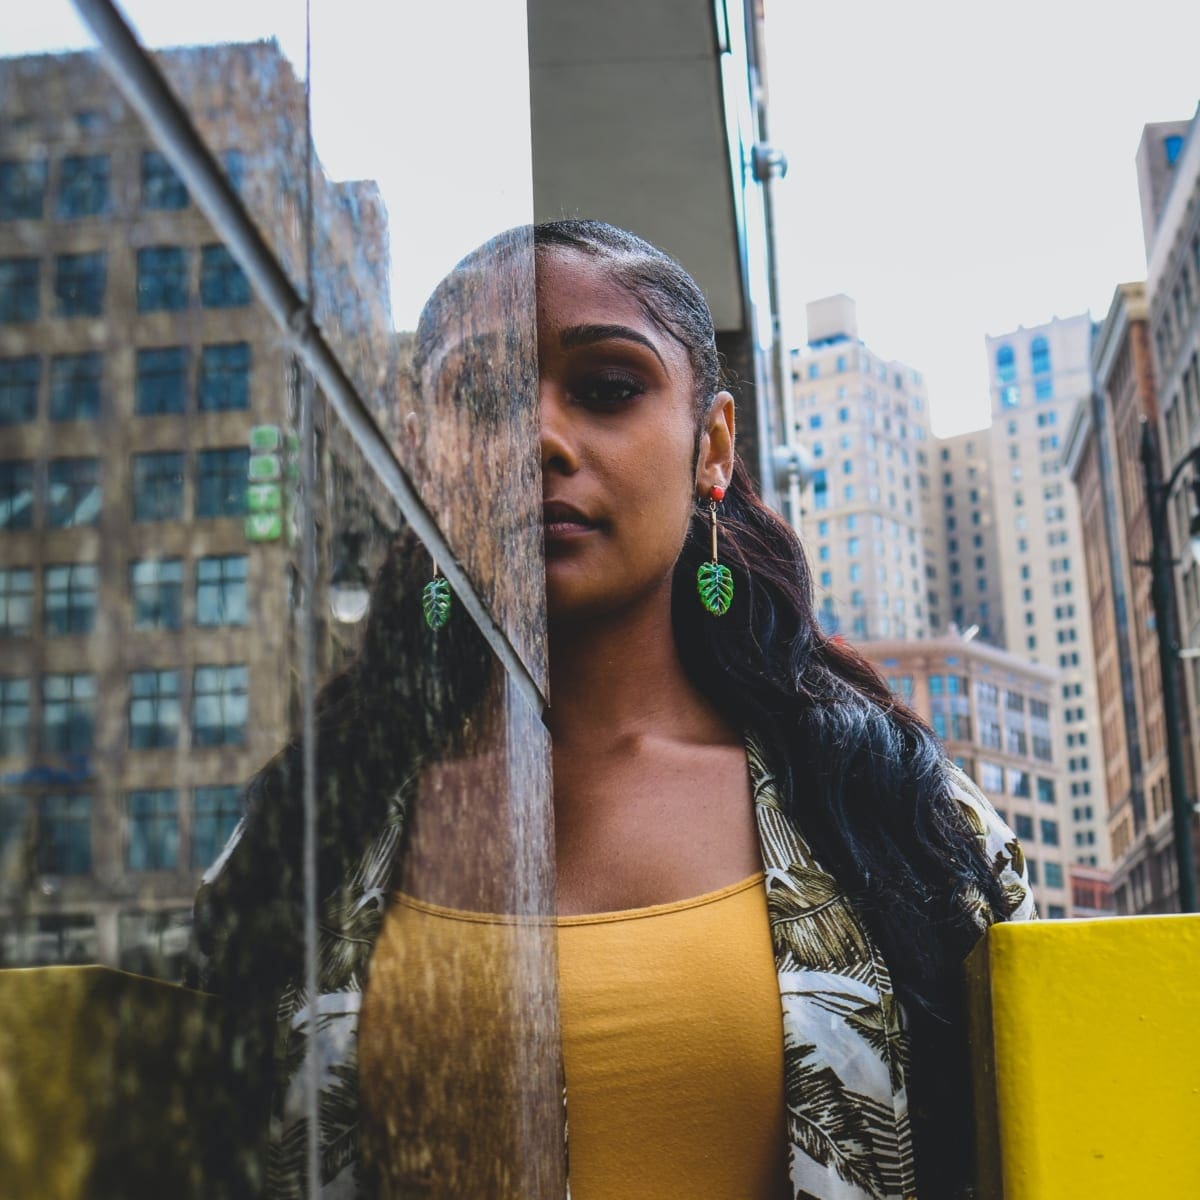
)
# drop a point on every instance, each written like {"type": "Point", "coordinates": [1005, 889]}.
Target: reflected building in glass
{"type": "Point", "coordinates": [147, 489]}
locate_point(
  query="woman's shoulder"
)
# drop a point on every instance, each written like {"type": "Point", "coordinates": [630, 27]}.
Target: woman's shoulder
{"type": "Point", "coordinates": [1000, 845]}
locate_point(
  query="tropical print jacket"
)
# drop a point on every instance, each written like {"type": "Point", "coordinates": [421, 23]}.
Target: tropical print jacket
{"type": "Point", "coordinates": [844, 1038]}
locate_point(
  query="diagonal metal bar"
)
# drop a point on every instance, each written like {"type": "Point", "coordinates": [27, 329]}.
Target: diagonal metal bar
{"type": "Point", "coordinates": [142, 83]}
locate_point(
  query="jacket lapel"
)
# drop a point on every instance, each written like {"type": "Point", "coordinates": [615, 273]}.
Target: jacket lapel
{"type": "Point", "coordinates": [844, 1046]}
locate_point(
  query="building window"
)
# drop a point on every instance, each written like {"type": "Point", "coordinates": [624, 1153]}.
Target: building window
{"type": "Point", "coordinates": [158, 486]}
{"type": "Point", "coordinates": [1045, 790]}
{"type": "Point", "coordinates": [161, 187]}
{"type": "Point", "coordinates": [1043, 389]}
{"type": "Point", "coordinates": [162, 282]}
{"type": "Point", "coordinates": [221, 482]}
{"type": "Point", "coordinates": [224, 377]}
{"type": "Point", "coordinates": [83, 185]}
{"type": "Point", "coordinates": [22, 189]}
{"type": "Point", "coordinates": [1172, 145]}
{"type": "Point", "coordinates": [1049, 831]}
{"type": "Point", "coordinates": [19, 378]}
{"type": "Point", "coordinates": [156, 588]}
{"type": "Point", "coordinates": [820, 491]}
{"type": "Point", "coordinates": [153, 709]}
{"type": "Point", "coordinates": [1006, 365]}
{"type": "Point", "coordinates": [1023, 827]}
{"type": "Point", "coordinates": [827, 579]}
{"type": "Point", "coordinates": [65, 835]}
{"type": "Point", "coordinates": [161, 381]}
{"type": "Point", "coordinates": [1039, 356]}
{"type": "Point", "coordinates": [223, 283]}
{"type": "Point", "coordinates": [75, 386]}
{"type": "Point", "coordinates": [215, 814]}
{"type": "Point", "coordinates": [79, 282]}
{"type": "Point", "coordinates": [221, 590]}
{"type": "Point", "coordinates": [1053, 875]}
{"type": "Point", "coordinates": [16, 495]}
{"type": "Point", "coordinates": [153, 830]}
{"type": "Point", "coordinates": [16, 601]}
{"type": "Point", "coordinates": [19, 283]}
{"type": "Point", "coordinates": [14, 717]}
{"type": "Point", "coordinates": [68, 704]}
{"type": "Point", "coordinates": [219, 704]}
{"type": "Point", "coordinates": [234, 162]}
{"type": "Point", "coordinates": [70, 598]}
{"type": "Point", "coordinates": [72, 492]}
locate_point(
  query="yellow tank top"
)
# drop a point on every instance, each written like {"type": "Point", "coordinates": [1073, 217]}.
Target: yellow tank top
{"type": "Point", "coordinates": [671, 1038]}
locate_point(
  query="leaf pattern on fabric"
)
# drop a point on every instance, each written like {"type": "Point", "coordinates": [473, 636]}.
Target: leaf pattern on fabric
{"type": "Point", "coordinates": [826, 1122]}
{"type": "Point", "coordinates": [878, 1024]}
{"type": "Point", "coordinates": [845, 1045]}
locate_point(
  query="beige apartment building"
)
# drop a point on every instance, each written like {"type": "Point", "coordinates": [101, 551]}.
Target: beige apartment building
{"type": "Point", "coordinates": [996, 715]}
{"type": "Point", "coordinates": [1103, 455]}
{"type": "Point", "coordinates": [865, 423]}
{"type": "Point", "coordinates": [968, 590]}
{"type": "Point", "coordinates": [1038, 377]}
{"type": "Point", "coordinates": [147, 579]}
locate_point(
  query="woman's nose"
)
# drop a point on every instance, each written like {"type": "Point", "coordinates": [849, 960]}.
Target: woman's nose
{"type": "Point", "coordinates": [555, 433]}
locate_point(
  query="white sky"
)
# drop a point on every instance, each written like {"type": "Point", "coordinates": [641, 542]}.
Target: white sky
{"type": "Point", "coordinates": [961, 169]}
{"type": "Point", "coordinates": [958, 168]}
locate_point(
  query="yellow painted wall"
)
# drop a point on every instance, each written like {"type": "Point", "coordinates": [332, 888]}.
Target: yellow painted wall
{"type": "Point", "coordinates": [1088, 1083]}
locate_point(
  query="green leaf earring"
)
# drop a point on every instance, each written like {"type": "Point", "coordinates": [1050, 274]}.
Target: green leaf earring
{"type": "Point", "coordinates": [435, 601]}
{"type": "Point", "coordinates": [714, 580]}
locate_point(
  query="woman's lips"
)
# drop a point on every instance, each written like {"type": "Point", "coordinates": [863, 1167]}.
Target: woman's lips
{"type": "Point", "coordinates": [563, 521]}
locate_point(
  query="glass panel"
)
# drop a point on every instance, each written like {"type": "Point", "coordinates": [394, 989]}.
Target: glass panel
{"type": "Point", "coordinates": [153, 515]}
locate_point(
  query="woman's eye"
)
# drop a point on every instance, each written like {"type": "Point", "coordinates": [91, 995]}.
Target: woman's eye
{"type": "Point", "coordinates": [607, 391]}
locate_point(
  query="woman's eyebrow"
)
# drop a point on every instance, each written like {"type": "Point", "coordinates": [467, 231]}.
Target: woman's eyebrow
{"type": "Point", "coordinates": [587, 335]}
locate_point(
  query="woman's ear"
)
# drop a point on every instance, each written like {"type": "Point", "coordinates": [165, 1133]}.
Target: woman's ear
{"type": "Point", "coordinates": [714, 466]}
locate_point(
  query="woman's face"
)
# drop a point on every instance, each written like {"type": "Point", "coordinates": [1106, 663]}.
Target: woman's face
{"type": "Point", "coordinates": [618, 433]}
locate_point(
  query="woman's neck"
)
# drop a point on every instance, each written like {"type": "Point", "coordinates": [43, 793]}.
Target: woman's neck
{"type": "Point", "coordinates": [619, 679]}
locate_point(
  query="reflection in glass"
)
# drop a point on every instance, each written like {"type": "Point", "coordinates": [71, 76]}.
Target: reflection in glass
{"type": "Point", "coordinates": [156, 592]}
{"type": "Point", "coordinates": [161, 380]}
{"type": "Point", "coordinates": [69, 596]}
{"type": "Point", "coordinates": [219, 705]}
{"type": "Point", "coordinates": [153, 709]}
{"type": "Point", "coordinates": [72, 492]}
{"type": "Point", "coordinates": [19, 282]}
{"type": "Point", "coordinates": [19, 378]}
{"type": "Point", "coordinates": [68, 712]}
{"type": "Point", "coordinates": [158, 486]}
{"type": "Point", "coordinates": [79, 283]}
{"type": "Point", "coordinates": [153, 823]}
{"type": "Point", "coordinates": [221, 590]}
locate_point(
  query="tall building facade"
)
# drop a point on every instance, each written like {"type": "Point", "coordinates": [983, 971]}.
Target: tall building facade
{"type": "Point", "coordinates": [995, 713]}
{"type": "Point", "coordinates": [1168, 162]}
{"type": "Point", "coordinates": [865, 422]}
{"type": "Point", "coordinates": [147, 569]}
{"type": "Point", "coordinates": [967, 592]}
{"type": "Point", "coordinates": [1103, 455]}
{"type": "Point", "coordinates": [1038, 376]}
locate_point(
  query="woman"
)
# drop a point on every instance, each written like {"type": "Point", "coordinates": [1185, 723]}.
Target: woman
{"type": "Point", "coordinates": [713, 771]}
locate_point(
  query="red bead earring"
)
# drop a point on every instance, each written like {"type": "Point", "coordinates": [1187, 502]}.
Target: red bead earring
{"type": "Point", "coordinates": [714, 581]}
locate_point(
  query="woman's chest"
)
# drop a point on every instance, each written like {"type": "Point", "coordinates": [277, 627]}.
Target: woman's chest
{"type": "Point", "coordinates": [651, 829]}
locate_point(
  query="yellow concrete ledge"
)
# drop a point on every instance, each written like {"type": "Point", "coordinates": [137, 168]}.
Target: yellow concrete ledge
{"type": "Point", "coordinates": [104, 1080]}
{"type": "Point", "coordinates": [1086, 1049]}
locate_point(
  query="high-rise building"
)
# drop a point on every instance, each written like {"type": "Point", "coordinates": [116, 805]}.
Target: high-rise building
{"type": "Point", "coordinates": [865, 422]}
{"type": "Point", "coordinates": [968, 591]}
{"type": "Point", "coordinates": [1103, 455]}
{"type": "Point", "coordinates": [1038, 377]}
{"type": "Point", "coordinates": [1168, 162]}
{"type": "Point", "coordinates": [146, 613]}
{"type": "Point", "coordinates": [995, 713]}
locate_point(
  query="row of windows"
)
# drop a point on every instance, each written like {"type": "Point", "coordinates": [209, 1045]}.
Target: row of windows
{"type": "Point", "coordinates": [1039, 360]}
{"type": "Point", "coordinates": [63, 831]}
{"type": "Point", "coordinates": [76, 383]}
{"type": "Point", "coordinates": [996, 780]}
{"type": "Point", "coordinates": [84, 185]}
{"type": "Point", "coordinates": [164, 282]}
{"type": "Point", "coordinates": [156, 591]}
{"type": "Point", "coordinates": [1175, 316]}
{"type": "Point", "coordinates": [72, 490]}
{"type": "Point", "coordinates": [219, 704]}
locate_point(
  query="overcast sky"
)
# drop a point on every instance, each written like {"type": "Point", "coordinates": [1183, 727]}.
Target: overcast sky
{"type": "Point", "coordinates": [961, 168]}
{"type": "Point", "coordinates": [958, 168]}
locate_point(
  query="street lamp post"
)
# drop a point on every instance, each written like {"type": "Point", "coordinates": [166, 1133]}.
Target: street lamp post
{"type": "Point", "coordinates": [1162, 593]}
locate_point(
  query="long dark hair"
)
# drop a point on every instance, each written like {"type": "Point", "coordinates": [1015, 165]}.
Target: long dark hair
{"type": "Point", "coordinates": [862, 776]}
